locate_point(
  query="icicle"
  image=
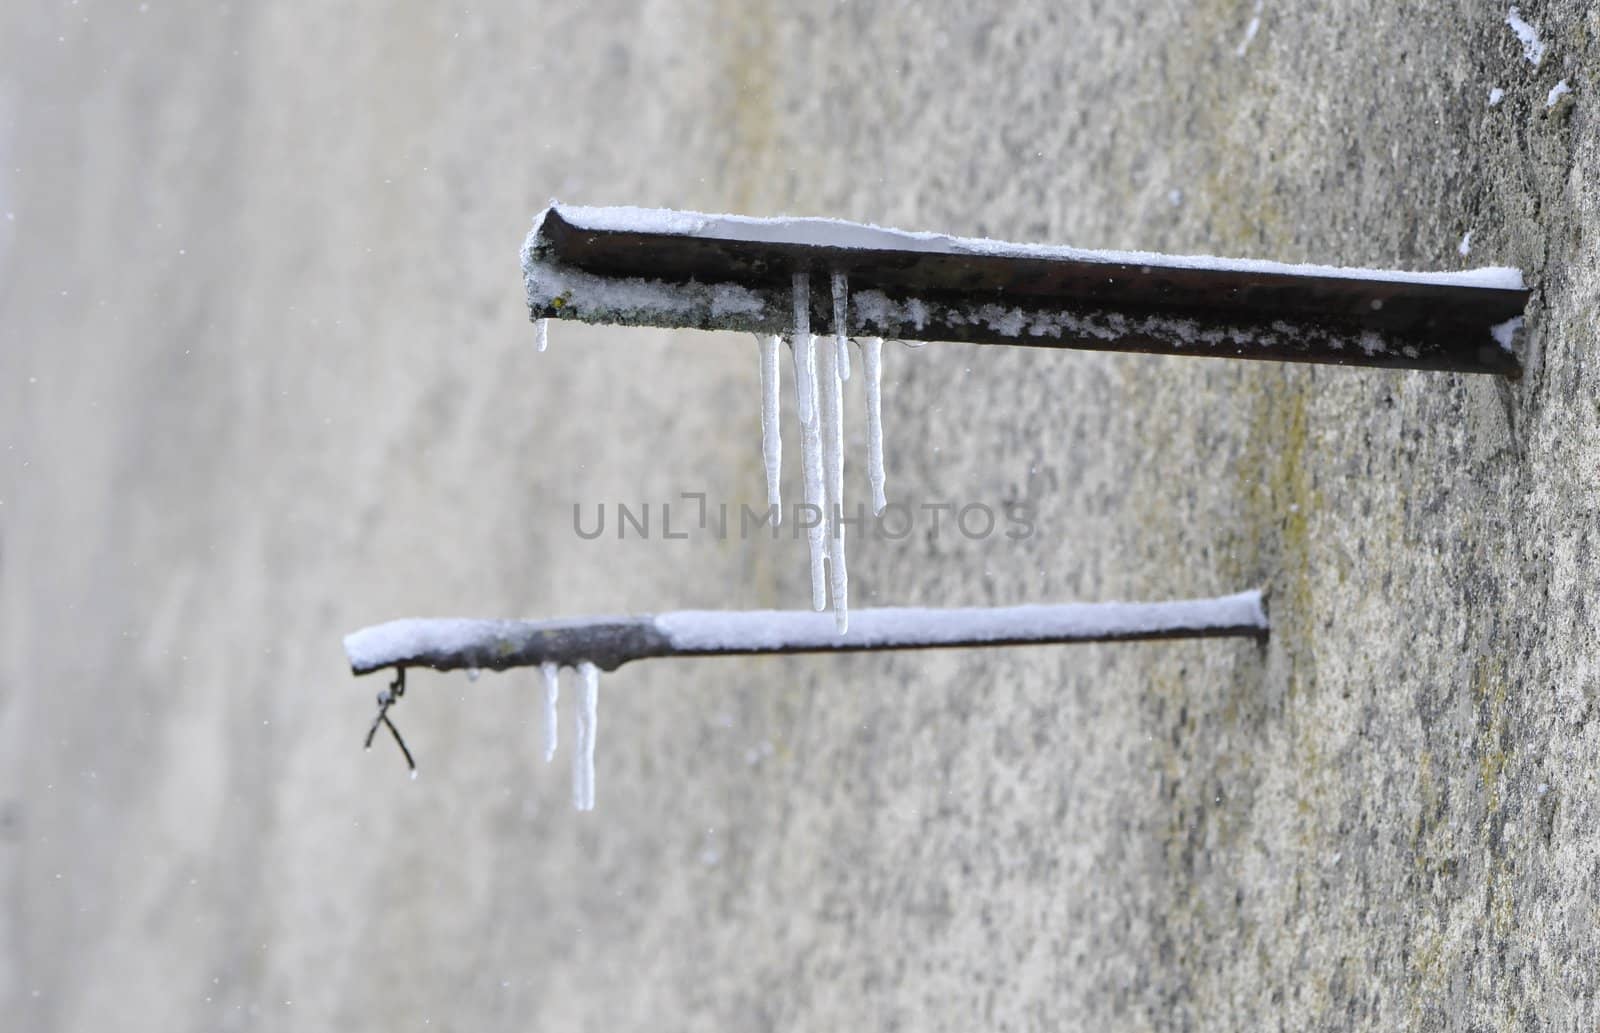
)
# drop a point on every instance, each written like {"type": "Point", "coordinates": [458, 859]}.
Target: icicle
{"type": "Point", "coordinates": [578, 737]}
{"type": "Point", "coordinates": [585, 721]}
{"type": "Point", "coordinates": [800, 343]}
{"type": "Point", "coordinates": [552, 695]}
{"type": "Point", "coordinates": [805, 388]}
{"type": "Point", "coordinates": [872, 362]}
{"type": "Point", "coordinates": [591, 703]}
{"type": "Point", "coordinates": [833, 451]}
{"type": "Point", "coordinates": [541, 333]}
{"type": "Point", "coordinates": [771, 435]}
{"type": "Point", "coordinates": [841, 313]}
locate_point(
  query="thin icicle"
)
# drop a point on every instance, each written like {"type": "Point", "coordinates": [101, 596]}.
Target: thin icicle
{"type": "Point", "coordinates": [771, 435]}
{"type": "Point", "coordinates": [833, 452]}
{"type": "Point", "coordinates": [541, 333]}
{"type": "Point", "coordinates": [841, 313]}
{"type": "Point", "coordinates": [579, 736]}
{"type": "Point", "coordinates": [800, 342]}
{"type": "Point", "coordinates": [805, 370]}
{"type": "Point", "coordinates": [552, 695]}
{"type": "Point", "coordinates": [585, 720]}
{"type": "Point", "coordinates": [805, 376]}
{"type": "Point", "coordinates": [591, 708]}
{"type": "Point", "coordinates": [872, 362]}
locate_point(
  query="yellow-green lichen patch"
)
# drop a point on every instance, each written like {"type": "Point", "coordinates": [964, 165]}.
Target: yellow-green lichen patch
{"type": "Point", "coordinates": [1489, 694]}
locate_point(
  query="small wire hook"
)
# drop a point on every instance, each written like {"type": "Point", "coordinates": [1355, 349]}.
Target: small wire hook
{"type": "Point", "coordinates": [386, 699]}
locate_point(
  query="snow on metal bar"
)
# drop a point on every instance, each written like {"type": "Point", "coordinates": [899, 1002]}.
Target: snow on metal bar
{"type": "Point", "coordinates": [785, 631]}
{"type": "Point", "coordinates": [608, 642]}
{"type": "Point", "coordinates": [839, 233]}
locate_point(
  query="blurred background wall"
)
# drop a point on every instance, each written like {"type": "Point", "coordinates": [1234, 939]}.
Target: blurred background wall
{"type": "Point", "coordinates": [265, 377]}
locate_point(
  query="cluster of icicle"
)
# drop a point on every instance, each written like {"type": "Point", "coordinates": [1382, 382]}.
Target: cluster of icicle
{"type": "Point", "coordinates": [820, 374]}
{"type": "Point", "coordinates": [585, 721]}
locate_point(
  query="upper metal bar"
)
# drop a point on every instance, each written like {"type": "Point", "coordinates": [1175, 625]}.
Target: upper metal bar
{"type": "Point", "coordinates": [595, 268]}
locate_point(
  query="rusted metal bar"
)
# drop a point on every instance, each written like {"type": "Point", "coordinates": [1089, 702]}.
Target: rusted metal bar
{"type": "Point", "coordinates": [683, 269]}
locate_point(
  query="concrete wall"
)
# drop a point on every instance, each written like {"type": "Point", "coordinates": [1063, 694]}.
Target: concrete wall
{"type": "Point", "coordinates": [265, 377]}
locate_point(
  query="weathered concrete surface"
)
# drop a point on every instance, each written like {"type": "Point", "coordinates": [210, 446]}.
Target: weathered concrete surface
{"type": "Point", "coordinates": [264, 377]}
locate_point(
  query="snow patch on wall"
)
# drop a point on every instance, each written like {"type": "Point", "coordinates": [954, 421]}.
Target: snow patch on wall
{"type": "Point", "coordinates": [1250, 30]}
{"type": "Point", "coordinates": [1532, 45]}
